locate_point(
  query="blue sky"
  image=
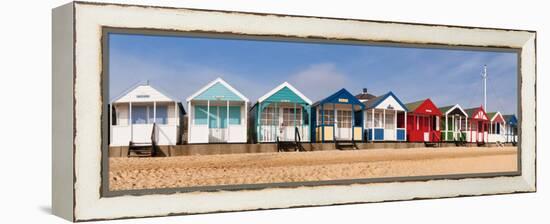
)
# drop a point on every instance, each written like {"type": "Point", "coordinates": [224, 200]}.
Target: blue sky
{"type": "Point", "coordinates": [182, 65]}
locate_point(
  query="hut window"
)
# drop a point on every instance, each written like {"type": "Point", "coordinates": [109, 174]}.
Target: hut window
{"type": "Point", "coordinates": [200, 114]}
{"type": "Point", "coordinates": [213, 117]}
{"type": "Point", "coordinates": [234, 115]}
{"type": "Point", "coordinates": [463, 126]}
{"type": "Point", "coordinates": [139, 115]}
{"type": "Point", "coordinates": [288, 116]}
{"type": "Point", "coordinates": [162, 115]}
{"type": "Point", "coordinates": [369, 118]}
{"type": "Point", "coordinates": [400, 120]}
{"type": "Point", "coordinates": [344, 119]}
{"type": "Point", "coordinates": [377, 119]}
{"type": "Point", "coordinates": [435, 123]}
{"type": "Point", "coordinates": [328, 117]}
{"type": "Point", "coordinates": [270, 116]}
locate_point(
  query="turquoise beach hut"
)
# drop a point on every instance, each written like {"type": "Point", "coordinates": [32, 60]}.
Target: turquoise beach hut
{"type": "Point", "coordinates": [217, 114]}
{"type": "Point", "coordinates": [282, 114]}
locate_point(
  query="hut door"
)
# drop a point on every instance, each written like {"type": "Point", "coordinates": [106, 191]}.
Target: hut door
{"type": "Point", "coordinates": [480, 132]}
{"type": "Point", "coordinates": [217, 126]}
{"type": "Point", "coordinates": [343, 125]}
{"type": "Point", "coordinates": [389, 125]}
{"type": "Point", "coordinates": [426, 124]}
{"type": "Point", "coordinates": [292, 119]}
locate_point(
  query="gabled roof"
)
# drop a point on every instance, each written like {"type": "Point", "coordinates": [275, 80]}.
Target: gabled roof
{"type": "Point", "coordinates": [427, 107]}
{"type": "Point", "coordinates": [143, 93]}
{"type": "Point", "coordinates": [448, 109]}
{"type": "Point", "coordinates": [511, 119]}
{"type": "Point", "coordinates": [412, 106]}
{"type": "Point", "coordinates": [473, 111]}
{"type": "Point", "coordinates": [285, 93]}
{"type": "Point", "coordinates": [218, 90]}
{"type": "Point", "coordinates": [364, 96]}
{"type": "Point", "coordinates": [374, 102]}
{"type": "Point", "coordinates": [495, 115]}
{"type": "Point", "coordinates": [341, 97]}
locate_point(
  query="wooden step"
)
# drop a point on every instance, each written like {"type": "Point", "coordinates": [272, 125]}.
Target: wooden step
{"type": "Point", "coordinates": [430, 144]}
{"type": "Point", "coordinates": [283, 146]}
{"type": "Point", "coordinates": [140, 151]}
{"type": "Point", "coordinates": [345, 145]}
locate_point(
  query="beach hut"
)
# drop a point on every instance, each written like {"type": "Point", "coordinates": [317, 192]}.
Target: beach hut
{"type": "Point", "coordinates": [217, 114]}
{"type": "Point", "coordinates": [477, 125]}
{"type": "Point", "coordinates": [497, 127]}
{"type": "Point", "coordinates": [423, 121]}
{"type": "Point", "coordinates": [134, 113]}
{"type": "Point", "coordinates": [511, 132]}
{"type": "Point", "coordinates": [452, 127]}
{"type": "Point", "coordinates": [385, 118]}
{"type": "Point", "coordinates": [281, 114]}
{"type": "Point", "coordinates": [337, 117]}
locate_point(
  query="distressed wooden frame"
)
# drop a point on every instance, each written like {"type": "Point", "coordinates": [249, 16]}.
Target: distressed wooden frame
{"type": "Point", "coordinates": [77, 193]}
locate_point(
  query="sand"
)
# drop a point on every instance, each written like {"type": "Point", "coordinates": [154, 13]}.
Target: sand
{"type": "Point", "coordinates": [209, 170]}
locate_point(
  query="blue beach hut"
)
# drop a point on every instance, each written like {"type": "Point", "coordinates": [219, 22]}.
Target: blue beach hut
{"type": "Point", "coordinates": [337, 117]}
{"type": "Point", "coordinates": [511, 128]}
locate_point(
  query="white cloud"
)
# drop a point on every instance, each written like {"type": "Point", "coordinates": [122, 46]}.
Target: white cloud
{"type": "Point", "coordinates": [319, 80]}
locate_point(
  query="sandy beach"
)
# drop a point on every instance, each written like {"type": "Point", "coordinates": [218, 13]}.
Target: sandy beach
{"type": "Point", "coordinates": [209, 170]}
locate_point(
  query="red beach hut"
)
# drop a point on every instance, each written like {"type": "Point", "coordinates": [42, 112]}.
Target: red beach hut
{"type": "Point", "coordinates": [423, 121]}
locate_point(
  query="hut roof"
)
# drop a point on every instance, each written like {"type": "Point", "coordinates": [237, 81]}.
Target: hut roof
{"type": "Point", "coordinates": [365, 96]}
{"type": "Point", "coordinates": [285, 93]}
{"type": "Point", "coordinates": [374, 102]}
{"type": "Point", "coordinates": [412, 106]}
{"type": "Point", "coordinates": [473, 112]}
{"type": "Point", "coordinates": [423, 107]}
{"type": "Point", "coordinates": [496, 116]}
{"type": "Point", "coordinates": [454, 109]}
{"type": "Point", "coordinates": [218, 90]}
{"type": "Point", "coordinates": [511, 119]}
{"type": "Point", "coordinates": [143, 93]}
{"type": "Point", "coordinates": [341, 97]}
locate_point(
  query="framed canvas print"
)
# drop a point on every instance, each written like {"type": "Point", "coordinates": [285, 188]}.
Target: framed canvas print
{"type": "Point", "coordinates": [165, 111]}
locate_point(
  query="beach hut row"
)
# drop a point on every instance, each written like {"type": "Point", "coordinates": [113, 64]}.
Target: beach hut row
{"type": "Point", "coordinates": [219, 113]}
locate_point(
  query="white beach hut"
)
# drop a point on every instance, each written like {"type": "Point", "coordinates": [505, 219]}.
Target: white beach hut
{"type": "Point", "coordinates": [385, 118]}
{"type": "Point", "coordinates": [134, 113]}
{"type": "Point", "coordinates": [217, 114]}
{"type": "Point", "coordinates": [497, 130]}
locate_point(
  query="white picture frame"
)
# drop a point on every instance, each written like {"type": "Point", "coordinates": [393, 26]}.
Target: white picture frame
{"type": "Point", "coordinates": [78, 110]}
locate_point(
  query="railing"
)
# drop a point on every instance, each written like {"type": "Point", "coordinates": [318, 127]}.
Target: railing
{"type": "Point", "coordinates": [154, 140]}
{"type": "Point", "coordinates": [296, 144]}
